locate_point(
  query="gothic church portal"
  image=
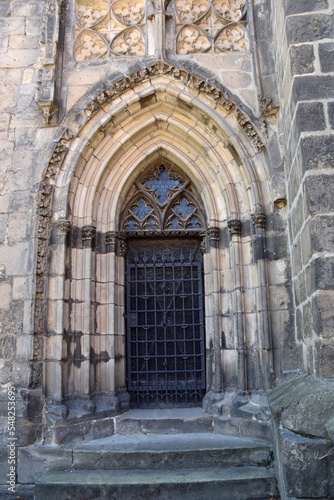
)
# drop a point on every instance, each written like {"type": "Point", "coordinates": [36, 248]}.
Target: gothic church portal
{"type": "Point", "coordinates": [167, 221]}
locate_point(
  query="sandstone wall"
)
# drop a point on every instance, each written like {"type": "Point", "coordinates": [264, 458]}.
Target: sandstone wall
{"type": "Point", "coordinates": [303, 39]}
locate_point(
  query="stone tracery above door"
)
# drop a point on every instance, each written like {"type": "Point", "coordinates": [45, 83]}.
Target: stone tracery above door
{"type": "Point", "coordinates": [160, 200]}
{"type": "Point", "coordinates": [109, 28]}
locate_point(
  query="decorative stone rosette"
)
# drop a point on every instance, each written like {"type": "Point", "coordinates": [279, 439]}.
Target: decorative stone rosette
{"type": "Point", "coordinates": [211, 26]}
{"type": "Point", "coordinates": [105, 28]}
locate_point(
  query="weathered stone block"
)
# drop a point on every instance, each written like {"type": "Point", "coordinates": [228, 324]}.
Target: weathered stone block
{"type": "Point", "coordinates": [324, 312]}
{"type": "Point", "coordinates": [303, 6]}
{"type": "Point", "coordinates": [324, 273]}
{"type": "Point", "coordinates": [23, 42]}
{"type": "Point", "coordinates": [320, 193]}
{"type": "Point", "coordinates": [326, 56]}
{"type": "Point", "coordinates": [71, 433]}
{"type": "Point", "coordinates": [308, 28]}
{"type": "Point", "coordinates": [306, 465]}
{"type": "Point", "coordinates": [309, 87]}
{"type": "Point", "coordinates": [331, 114]}
{"type": "Point", "coordinates": [310, 116]}
{"type": "Point", "coordinates": [12, 26]}
{"type": "Point", "coordinates": [322, 233]}
{"type": "Point", "coordinates": [23, 8]}
{"type": "Point", "coordinates": [317, 152]}
{"type": "Point", "coordinates": [326, 369]}
{"type": "Point", "coordinates": [33, 461]}
{"type": "Point", "coordinates": [5, 8]}
{"type": "Point", "coordinates": [5, 294]}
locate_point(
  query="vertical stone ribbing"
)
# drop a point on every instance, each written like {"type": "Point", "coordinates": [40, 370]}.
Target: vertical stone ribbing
{"type": "Point", "coordinates": [213, 326]}
{"type": "Point", "coordinates": [263, 312]}
{"type": "Point", "coordinates": [238, 303]}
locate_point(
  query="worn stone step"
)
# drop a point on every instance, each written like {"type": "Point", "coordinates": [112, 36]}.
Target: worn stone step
{"type": "Point", "coordinates": [164, 421]}
{"type": "Point", "coordinates": [201, 484]}
{"type": "Point", "coordinates": [169, 451]}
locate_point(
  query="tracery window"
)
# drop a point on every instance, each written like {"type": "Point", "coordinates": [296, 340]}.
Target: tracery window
{"type": "Point", "coordinates": [162, 199]}
{"type": "Point", "coordinates": [109, 28]}
{"type": "Point", "coordinates": [211, 26]}
{"type": "Point", "coordinates": [105, 28]}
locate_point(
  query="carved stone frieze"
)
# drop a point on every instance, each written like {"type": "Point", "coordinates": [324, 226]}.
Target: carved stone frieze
{"type": "Point", "coordinates": [249, 129]}
{"type": "Point", "coordinates": [104, 29]}
{"type": "Point", "coordinates": [123, 247]}
{"type": "Point", "coordinates": [38, 347]}
{"type": "Point", "coordinates": [210, 26]}
{"type": "Point", "coordinates": [36, 375]}
{"type": "Point", "coordinates": [234, 226]}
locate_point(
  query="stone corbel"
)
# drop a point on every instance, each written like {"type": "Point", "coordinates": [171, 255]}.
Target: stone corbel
{"type": "Point", "coordinates": [259, 220]}
{"type": "Point", "coordinates": [234, 226]}
{"type": "Point", "coordinates": [268, 108]}
{"type": "Point", "coordinates": [63, 227]}
{"type": "Point", "coordinates": [45, 94]}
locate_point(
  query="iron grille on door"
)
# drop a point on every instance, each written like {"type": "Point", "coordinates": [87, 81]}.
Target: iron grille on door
{"type": "Point", "coordinates": [165, 330]}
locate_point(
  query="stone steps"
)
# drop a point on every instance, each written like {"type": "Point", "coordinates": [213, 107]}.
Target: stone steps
{"type": "Point", "coordinates": [200, 484]}
{"type": "Point", "coordinates": [169, 451]}
{"type": "Point", "coordinates": [164, 421]}
{"type": "Point", "coordinates": [156, 454]}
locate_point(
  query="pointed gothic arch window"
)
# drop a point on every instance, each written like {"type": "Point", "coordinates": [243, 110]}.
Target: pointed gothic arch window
{"type": "Point", "coordinates": [162, 199]}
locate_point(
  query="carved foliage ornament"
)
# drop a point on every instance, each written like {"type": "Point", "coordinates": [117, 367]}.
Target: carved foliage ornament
{"type": "Point", "coordinates": [109, 28]}
{"type": "Point", "coordinates": [211, 26]}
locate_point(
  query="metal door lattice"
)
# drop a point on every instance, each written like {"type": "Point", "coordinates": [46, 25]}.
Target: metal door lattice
{"type": "Point", "coordinates": [165, 323]}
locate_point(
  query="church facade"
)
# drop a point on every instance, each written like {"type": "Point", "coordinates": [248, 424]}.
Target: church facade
{"type": "Point", "coordinates": [166, 219]}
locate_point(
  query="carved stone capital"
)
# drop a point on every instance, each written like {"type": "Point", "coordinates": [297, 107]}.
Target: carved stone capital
{"type": "Point", "coordinates": [259, 220]}
{"type": "Point", "coordinates": [111, 237]}
{"type": "Point", "coordinates": [213, 235]}
{"type": "Point", "coordinates": [234, 226]}
{"type": "Point", "coordinates": [63, 226]}
{"type": "Point", "coordinates": [88, 233]}
{"type": "Point", "coordinates": [111, 240]}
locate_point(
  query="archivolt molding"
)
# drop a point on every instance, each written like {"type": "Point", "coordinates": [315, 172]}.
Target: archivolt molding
{"type": "Point", "coordinates": [189, 80]}
{"type": "Point", "coordinates": [63, 146]}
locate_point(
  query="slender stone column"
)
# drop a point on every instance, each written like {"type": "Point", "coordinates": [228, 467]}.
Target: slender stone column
{"type": "Point", "coordinates": [55, 315]}
{"type": "Point", "coordinates": [213, 309]}
{"type": "Point", "coordinates": [159, 17]}
{"type": "Point", "coordinates": [88, 235]}
{"type": "Point", "coordinates": [265, 341]}
{"type": "Point", "coordinates": [234, 226]}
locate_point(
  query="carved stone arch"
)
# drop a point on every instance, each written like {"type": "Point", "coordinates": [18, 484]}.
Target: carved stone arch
{"type": "Point", "coordinates": [90, 169]}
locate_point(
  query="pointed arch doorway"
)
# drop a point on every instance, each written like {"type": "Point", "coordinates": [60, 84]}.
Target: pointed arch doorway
{"type": "Point", "coordinates": [163, 224]}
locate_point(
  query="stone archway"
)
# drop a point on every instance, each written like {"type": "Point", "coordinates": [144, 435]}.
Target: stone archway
{"type": "Point", "coordinates": [200, 131]}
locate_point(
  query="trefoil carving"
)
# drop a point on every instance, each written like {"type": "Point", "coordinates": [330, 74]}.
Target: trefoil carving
{"type": "Point", "coordinates": [211, 26]}
{"type": "Point", "coordinates": [106, 28]}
